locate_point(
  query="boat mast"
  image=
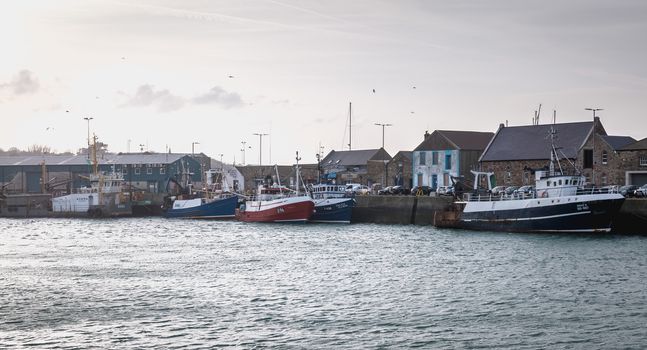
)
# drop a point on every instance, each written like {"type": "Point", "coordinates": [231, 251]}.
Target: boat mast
{"type": "Point", "coordinates": [350, 125]}
{"type": "Point", "coordinates": [298, 159]}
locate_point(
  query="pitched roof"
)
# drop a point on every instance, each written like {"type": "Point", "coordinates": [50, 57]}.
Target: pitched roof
{"type": "Point", "coordinates": [124, 158]}
{"type": "Point", "coordinates": [638, 145]}
{"type": "Point", "coordinates": [617, 142]}
{"type": "Point", "coordinates": [405, 154]}
{"type": "Point", "coordinates": [455, 139]}
{"type": "Point", "coordinates": [358, 157]}
{"type": "Point", "coordinates": [531, 141]}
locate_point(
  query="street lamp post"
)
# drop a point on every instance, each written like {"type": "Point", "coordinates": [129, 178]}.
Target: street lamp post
{"type": "Point", "coordinates": [260, 147]}
{"type": "Point", "coordinates": [193, 147]}
{"type": "Point", "coordinates": [384, 177]}
{"type": "Point", "coordinates": [243, 150]}
{"type": "Point", "coordinates": [383, 126]}
{"type": "Point", "coordinates": [88, 120]}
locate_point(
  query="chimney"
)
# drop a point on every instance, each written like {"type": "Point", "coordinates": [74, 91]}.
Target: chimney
{"type": "Point", "coordinates": [501, 126]}
{"type": "Point", "coordinates": [426, 134]}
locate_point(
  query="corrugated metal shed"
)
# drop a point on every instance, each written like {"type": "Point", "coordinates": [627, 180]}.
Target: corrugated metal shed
{"type": "Point", "coordinates": [129, 158]}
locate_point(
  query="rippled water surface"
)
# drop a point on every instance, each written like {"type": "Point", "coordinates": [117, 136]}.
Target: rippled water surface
{"type": "Point", "coordinates": [159, 283]}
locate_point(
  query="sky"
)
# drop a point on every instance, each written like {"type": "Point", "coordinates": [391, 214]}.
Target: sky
{"type": "Point", "coordinates": [170, 74]}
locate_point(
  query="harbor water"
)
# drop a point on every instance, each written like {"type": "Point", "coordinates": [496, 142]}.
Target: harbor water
{"type": "Point", "coordinates": [151, 282]}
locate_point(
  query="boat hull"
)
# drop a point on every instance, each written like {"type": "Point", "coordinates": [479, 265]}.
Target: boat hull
{"type": "Point", "coordinates": [297, 209]}
{"type": "Point", "coordinates": [217, 209]}
{"type": "Point", "coordinates": [333, 210]}
{"type": "Point", "coordinates": [565, 214]}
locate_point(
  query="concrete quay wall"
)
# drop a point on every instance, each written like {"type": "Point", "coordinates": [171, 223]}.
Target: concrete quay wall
{"type": "Point", "coordinates": [398, 209]}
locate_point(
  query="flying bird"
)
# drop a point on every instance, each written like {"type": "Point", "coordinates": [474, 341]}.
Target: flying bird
{"type": "Point", "coordinates": [231, 77]}
{"type": "Point", "coordinates": [373, 90]}
{"type": "Point", "coordinates": [414, 87]}
{"type": "Point", "coordinates": [66, 111]}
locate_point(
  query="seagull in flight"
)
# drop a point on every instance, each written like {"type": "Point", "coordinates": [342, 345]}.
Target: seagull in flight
{"type": "Point", "coordinates": [373, 90]}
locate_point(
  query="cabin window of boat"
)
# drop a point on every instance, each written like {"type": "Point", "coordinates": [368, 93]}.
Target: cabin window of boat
{"type": "Point", "coordinates": [423, 158]}
{"type": "Point", "coordinates": [605, 157]}
{"type": "Point", "coordinates": [560, 182]}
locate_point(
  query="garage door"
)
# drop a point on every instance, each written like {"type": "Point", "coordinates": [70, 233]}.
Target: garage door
{"type": "Point", "coordinates": [638, 179]}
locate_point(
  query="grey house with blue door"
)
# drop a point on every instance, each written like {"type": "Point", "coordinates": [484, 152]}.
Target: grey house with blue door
{"type": "Point", "coordinates": [142, 171]}
{"type": "Point", "coordinates": [446, 153]}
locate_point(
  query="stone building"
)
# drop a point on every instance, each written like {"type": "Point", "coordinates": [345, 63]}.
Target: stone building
{"type": "Point", "coordinates": [633, 160]}
{"type": "Point", "coordinates": [399, 170]}
{"type": "Point", "coordinates": [446, 153]}
{"type": "Point", "coordinates": [361, 166]}
{"type": "Point", "coordinates": [516, 152]}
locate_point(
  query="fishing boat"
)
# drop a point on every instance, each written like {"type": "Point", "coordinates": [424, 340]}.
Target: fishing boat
{"type": "Point", "coordinates": [277, 203]}
{"type": "Point", "coordinates": [214, 201]}
{"type": "Point", "coordinates": [560, 203]}
{"type": "Point", "coordinates": [104, 196]}
{"type": "Point", "coordinates": [332, 204]}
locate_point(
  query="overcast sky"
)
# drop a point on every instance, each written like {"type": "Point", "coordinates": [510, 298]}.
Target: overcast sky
{"type": "Point", "coordinates": [169, 73]}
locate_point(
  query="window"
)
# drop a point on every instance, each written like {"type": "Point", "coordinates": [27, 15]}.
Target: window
{"type": "Point", "coordinates": [423, 160]}
{"type": "Point", "coordinates": [448, 161]}
{"type": "Point", "coordinates": [149, 171]}
{"type": "Point", "coordinates": [162, 170]}
{"type": "Point", "coordinates": [137, 171]}
{"type": "Point", "coordinates": [605, 157]}
{"type": "Point", "coordinates": [124, 170]}
{"type": "Point", "coordinates": [643, 161]}
{"type": "Point", "coordinates": [588, 158]}
{"type": "Point", "coordinates": [434, 158]}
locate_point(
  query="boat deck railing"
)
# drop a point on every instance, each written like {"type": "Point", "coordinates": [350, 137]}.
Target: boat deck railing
{"type": "Point", "coordinates": [552, 193]}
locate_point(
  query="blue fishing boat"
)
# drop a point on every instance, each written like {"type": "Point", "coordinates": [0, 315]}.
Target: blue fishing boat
{"type": "Point", "coordinates": [202, 208]}
{"type": "Point", "coordinates": [214, 201]}
{"type": "Point", "coordinates": [332, 204]}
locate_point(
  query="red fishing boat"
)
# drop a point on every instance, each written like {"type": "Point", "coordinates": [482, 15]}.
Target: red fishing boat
{"type": "Point", "coordinates": [277, 204]}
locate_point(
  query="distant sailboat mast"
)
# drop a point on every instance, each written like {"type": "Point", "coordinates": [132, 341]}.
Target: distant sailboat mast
{"type": "Point", "coordinates": [350, 126]}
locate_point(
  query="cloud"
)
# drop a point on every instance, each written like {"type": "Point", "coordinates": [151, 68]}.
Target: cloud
{"type": "Point", "coordinates": [22, 84]}
{"type": "Point", "coordinates": [219, 96]}
{"type": "Point", "coordinates": [164, 100]}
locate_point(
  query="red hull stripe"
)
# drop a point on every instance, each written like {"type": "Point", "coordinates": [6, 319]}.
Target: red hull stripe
{"type": "Point", "coordinates": [291, 212]}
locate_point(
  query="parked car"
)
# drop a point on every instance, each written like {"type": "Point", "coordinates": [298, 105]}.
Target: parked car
{"type": "Point", "coordinates": [524, 191]}
{"type": "Point", "coordinates": [421, 190]}
{"type": "Point", "coordinates": [510, 190]}
{"type": "Point", "coordinates": [497, 190]}
{"type": "Point", "coordinates": [628, 190]}
{"type": "Point", "coordinates": [445, 191]}
{"type": "Point", "coordinates": [385, 190]}
{"type": "Point", "coordinates": [641, 191]}
{"type": "Point", "coordinates": [399, 190]}
{"type": "Point", "coordinates": [361, 189]}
